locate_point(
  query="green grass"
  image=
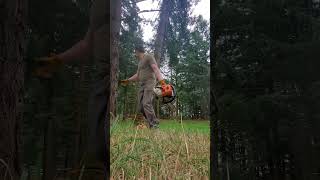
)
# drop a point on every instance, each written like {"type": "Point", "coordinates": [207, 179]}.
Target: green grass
{"type": "Point", "coordinates": [171, 151]}
{"type": "Point", "coordinates": [188, 125]}
{"type": "Point", "coordinates": [175, 125]}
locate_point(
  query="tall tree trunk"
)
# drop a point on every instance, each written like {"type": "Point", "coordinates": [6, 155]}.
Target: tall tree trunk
{"type": "Point", "coordinates": [163, 22]}
{"type": "Point", "coordinates": [159, 41]}
{"type": "Point", "coordinates": [115, 33]}
{"type": "Point", "coordinates": [12, 49]}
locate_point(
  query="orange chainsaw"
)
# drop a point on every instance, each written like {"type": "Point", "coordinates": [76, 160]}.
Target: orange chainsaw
{"type": "Point", "coordinates": [166, 93]}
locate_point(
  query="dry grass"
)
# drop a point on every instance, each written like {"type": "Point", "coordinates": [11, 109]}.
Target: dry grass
{"type": "Point", "coordinates": [158, 154]}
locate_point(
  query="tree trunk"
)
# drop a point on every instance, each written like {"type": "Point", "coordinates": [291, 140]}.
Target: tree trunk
{"type": "Point", "coordinates": [115, 33]}
{"type": "Point", "coordinates": [12, 49]}
{"type": "Point", "coordinates": [159, 41]}
{"type": "Point", "coordinates": [164, 20]}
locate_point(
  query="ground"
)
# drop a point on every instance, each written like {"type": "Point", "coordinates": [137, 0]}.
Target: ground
{"type": "Point", "coordinates": [179, 150]}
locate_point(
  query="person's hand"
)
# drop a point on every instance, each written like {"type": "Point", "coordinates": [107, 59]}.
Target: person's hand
{"type": "Point", "coordinates": [124, 82]}
{"type": "Point", "coordinates": [162, 82]}
{"type": "Point", "coordinates": [46, 66]}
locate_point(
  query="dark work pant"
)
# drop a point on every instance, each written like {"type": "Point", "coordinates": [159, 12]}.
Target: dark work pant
{"type": "Point", "coordinates": [145, 105]}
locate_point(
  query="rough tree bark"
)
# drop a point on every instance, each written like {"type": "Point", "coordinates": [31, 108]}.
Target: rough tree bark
{"type": "Point", "coordinates": [115, 33]}
{"type": "Point", "coordinates": [12, 49]}
{"type": "Point", "coordinates": [159, 41]}
{"type": "Point", "coordinates": [163, 22]}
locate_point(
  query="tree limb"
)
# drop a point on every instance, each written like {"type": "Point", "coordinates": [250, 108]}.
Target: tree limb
{"type": "Point", "coordinates": [135, 2]}
{"type": "Point", "coordinates": [151, 10]}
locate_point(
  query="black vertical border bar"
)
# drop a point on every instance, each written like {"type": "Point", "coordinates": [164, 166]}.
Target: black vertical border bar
{"type": "Point", "coordinates": [107, 124]}
{"type": "Point", "coordinates": [210, 82]}
{"type": "Point", "coordinates": [213, 173]}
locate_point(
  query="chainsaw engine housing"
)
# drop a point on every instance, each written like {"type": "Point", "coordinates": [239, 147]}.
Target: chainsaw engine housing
{"type": "Point", "coordinates": [165, 93]}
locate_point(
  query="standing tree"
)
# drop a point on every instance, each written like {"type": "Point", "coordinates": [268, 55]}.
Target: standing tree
{"type": "Point", "coordinates": [11, 84]}
{"type": "Point", "coordinates": [163, 22]}
{"type": "Point", "coordinates": [131, 33]}
{"type": "Point", "coordinates": [160, 37]}
{"type": "Point", "coordinates": [115, 30]}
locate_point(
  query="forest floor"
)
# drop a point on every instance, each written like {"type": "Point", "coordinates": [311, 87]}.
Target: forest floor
{"type": "Point", "coordinates": [174, 151]}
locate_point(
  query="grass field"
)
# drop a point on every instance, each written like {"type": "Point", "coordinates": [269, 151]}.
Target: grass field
{"type": "Point", "coordinates": [174, 151]}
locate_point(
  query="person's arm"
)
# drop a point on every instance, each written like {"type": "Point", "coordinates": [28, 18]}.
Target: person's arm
{"type": "Point", "coordinates": [157, 72]}
{"type": "Point", "coordinates": [80, 49]}
{"type": "Point", "coordinates": [133, 78]}
{"type": "Point", "coordinates": [155, 68]}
